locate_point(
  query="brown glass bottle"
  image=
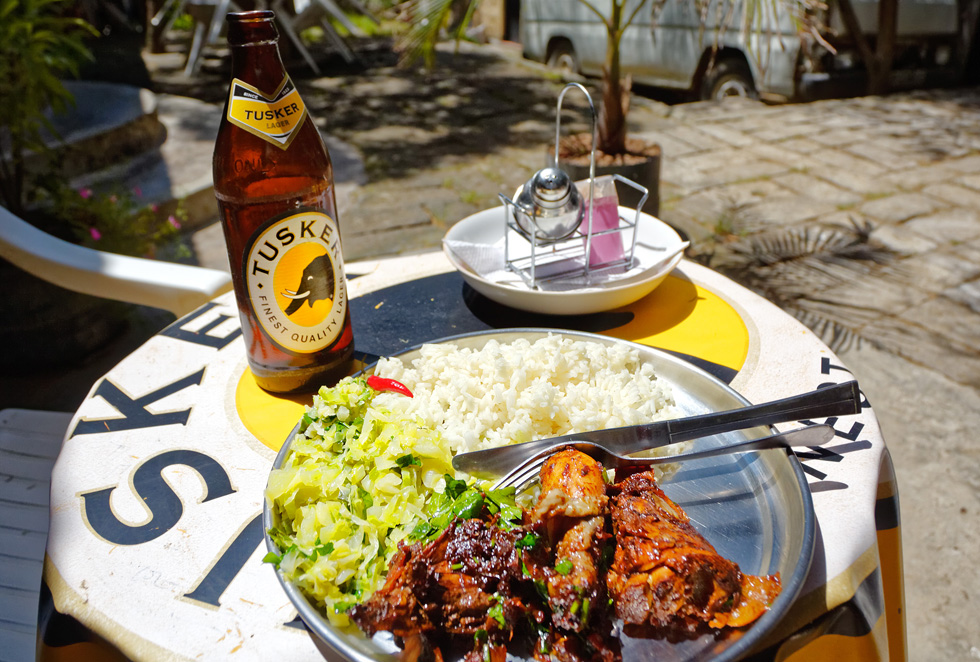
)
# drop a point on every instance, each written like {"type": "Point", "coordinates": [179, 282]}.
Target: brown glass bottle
{"type": "Point", "coordinates": [274, 183]}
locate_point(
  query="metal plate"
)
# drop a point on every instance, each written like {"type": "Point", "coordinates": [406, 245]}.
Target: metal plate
{"type": "Point", "coordinates": [755, 509]}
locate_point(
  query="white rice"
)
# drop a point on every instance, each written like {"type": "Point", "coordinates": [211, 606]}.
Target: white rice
{"type": "Point", "coordinates": [521, 391]}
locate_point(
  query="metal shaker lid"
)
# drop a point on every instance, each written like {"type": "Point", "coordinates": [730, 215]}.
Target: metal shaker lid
{"type": "Point", "coordinates": [551, 187]}
{"type": "Point", "coordinates": [548, 207]}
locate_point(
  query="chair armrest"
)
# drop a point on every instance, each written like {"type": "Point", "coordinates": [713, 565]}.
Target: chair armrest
{"type": "Point", "coordinates": [178, 288]}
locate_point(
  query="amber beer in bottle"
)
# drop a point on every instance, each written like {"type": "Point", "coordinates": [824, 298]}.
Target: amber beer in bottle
{"type": "Point", "coordinates": [274, 183]}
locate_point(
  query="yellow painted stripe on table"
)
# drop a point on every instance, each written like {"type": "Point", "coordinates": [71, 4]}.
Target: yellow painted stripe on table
{"type": "Point", "coordinates": [269, 417]}
{"type": "Point", "coordinates": [841, 648]}
{"type": "Point", "coordinates": [87, 651]}
{"type": "Point", "coordinates": [893, 586]}
{"type": "Point", "coordinates": [891, 562]}
{"type": "Point", "coordinates": [836, 591]}
{"type": "Point", "coordinates": [681, 316]}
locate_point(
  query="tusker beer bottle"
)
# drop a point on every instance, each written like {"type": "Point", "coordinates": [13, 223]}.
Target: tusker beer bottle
{"type": "Point", "coordinates": [274, 183]}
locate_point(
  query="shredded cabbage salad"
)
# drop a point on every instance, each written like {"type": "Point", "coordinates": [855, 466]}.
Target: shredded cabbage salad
{"type": "Point", "coordinates": [359, 479]}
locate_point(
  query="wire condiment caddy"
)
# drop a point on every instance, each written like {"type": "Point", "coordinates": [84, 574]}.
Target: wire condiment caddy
{"type": "Point", "coordinates": [547, 212]}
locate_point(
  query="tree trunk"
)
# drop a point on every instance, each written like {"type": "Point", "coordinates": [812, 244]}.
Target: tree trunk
{"type": "Point", "coordinates": [885, 45]}
{"type": "Point", "coordinates": [877, 62]}
{"type": "Point", "coordinates": [615, 95]}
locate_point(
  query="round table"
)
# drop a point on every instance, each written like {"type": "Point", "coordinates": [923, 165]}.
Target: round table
{"type": "Point", "coordinates": [155, 547]}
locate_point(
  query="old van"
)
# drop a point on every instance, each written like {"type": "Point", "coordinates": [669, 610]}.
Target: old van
{"type": "Point", "coordinates": [669, 45]}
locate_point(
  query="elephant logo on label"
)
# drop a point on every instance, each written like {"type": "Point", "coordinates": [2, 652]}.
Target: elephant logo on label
{"type": "Point", "coordinates": [316, 283]}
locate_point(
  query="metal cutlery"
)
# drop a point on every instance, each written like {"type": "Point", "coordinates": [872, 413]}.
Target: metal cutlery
{"type": "Point", "coordinates": [526, 472]}
{"type": "Point", "coordinates": [837, 400]}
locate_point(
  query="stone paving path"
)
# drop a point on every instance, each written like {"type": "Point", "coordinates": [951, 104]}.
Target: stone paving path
{"type": "Point", "coordinates": [439, 147]}
{"type": "Point", "coordinates": [909, 165]}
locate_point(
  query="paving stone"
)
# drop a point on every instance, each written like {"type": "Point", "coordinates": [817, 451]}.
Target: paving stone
{"type": "Point", "coordinates": [697, 138]}
{"type": "Point", "coordinates": [837, 121]}
{"type": "Point", "coordinates": [813, 187]}
{"type": "Point", "coordinates": [209, 247]}
{"type": "Point", "coordinates": [897, 208]}
{"type": "Point", "coordinates": [880, 156]}
{"type": "Point", "coordinates": [847, 162]}
{"type": "Point", "coordinates": [878, 294]}
{"type": "Point", "coordinates": [693, 227]}
{"type": "Point", "coordinates": [757, 125]}
{"type": "Point", "coordinates": [972, 181]}
{"type": "Point", "coordinates": [953, 321]}
{"type": "Point", "coordinates": [729, 205]}
{"type": "Point", "coordinates": [670, 146]}
{"type": "Point", "coordinates": [913, 179]}
{"type": "Point", "coordinates": [727, 135]}
{"type": "Point", "coordinates": [923, 348]}
{"type": "Point", "coordinates": [967, 294]}
{"type": "Point", "coordinates": [707, 161]}
{"type": "Point", "coordinates": [857, 181]}
{"type": "Point", "coordinates": [935, 271]}
{"type": "Point", "coordinates": [970, 164]}
{"type": "Point", "coordinates": [839, 137]}
{"type": "Point", "coordinates": [691, 179]}
{"type": "Point", "coordinates": [804, 146]}
{"type": "Point", "coordinates": [777, 153]}
{"type": "Point", "coordinates": [901, 239]}
{"type": "Point", "coordinates": [954, 195]}
{"type": "Point", "coordinates": [950, 226]}
{"type": "Point", "coordinates": [783, 130]}
{"type": "Point", "coordinates": [789, 210]}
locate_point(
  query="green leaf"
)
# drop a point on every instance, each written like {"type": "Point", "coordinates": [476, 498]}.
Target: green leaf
{"type": "Point", "coordinates": [454, 487]}
{"type": "Point", "coordinates": [408, 460]}
{"type": "Point", "coordinates": [496, 612]}
{"type": "Point", "coordinates": [271, 557]}
{"type": "Point", "coordinates": [468, 505]}
{"type": "Point", "coordinates": [563, 567]}
{"type": "Point", "coordinates": [528, 540]}
{"type": "Point", "coordinates": [422, 531]}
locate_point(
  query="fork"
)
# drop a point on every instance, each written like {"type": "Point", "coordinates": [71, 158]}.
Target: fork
{"type": "Point", "coordinates": [527, 471]}
{"type": "Point", "coordinates": [836, 400]}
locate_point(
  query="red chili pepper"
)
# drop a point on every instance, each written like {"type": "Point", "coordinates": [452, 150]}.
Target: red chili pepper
{"type": "Point", "coordinates": [385, 384]}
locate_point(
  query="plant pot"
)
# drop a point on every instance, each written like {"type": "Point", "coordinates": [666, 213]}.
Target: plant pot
{"type": "Point", "coordinates": [641, 165]}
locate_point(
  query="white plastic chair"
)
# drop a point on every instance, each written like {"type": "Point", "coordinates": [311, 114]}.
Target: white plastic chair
{"type": "Point", "coordinates": [209, 18]}
{"type": "Point", "coordinates": [30, 440]}
{"type": "Point", "coordinates": [294, 16]}
{"type": "Point", "coordinates": [29, 444]}
{"type": "Point", "coordinates": [178, 288]}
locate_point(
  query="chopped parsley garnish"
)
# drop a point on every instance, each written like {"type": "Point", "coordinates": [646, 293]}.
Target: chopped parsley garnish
{"type": "Point", "coordinates": [408, 460]}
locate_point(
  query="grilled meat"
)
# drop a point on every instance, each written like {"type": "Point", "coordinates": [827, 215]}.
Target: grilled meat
{"type": "Point", "coordinates": [667, 576]}
{"type": "Point", "coordinates": [545, 585]}
{"type": "Point", "coordinates": [466, 582]}
{"type": "Point", "coordinates": [572, 511]}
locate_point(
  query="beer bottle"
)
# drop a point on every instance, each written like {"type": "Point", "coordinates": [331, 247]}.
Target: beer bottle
{"type": "Point", "coordinates": [274, 183]}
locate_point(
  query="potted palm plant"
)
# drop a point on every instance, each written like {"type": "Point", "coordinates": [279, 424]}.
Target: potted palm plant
{"type": "Point", "coordinates": [615, 151]}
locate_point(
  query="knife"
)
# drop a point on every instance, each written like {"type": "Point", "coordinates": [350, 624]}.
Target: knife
{"type": "Point", "coordinates": [837, 400]}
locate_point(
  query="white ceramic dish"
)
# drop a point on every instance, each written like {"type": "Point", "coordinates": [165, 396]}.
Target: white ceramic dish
{"type": "Point", "coordinates": [658, 247]}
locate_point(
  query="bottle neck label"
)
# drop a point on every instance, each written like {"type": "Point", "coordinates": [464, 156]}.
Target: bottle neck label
{"type": "Point", "coordinates": [273, 117]}
{"type": "Point", "coordinates": [294, 274]}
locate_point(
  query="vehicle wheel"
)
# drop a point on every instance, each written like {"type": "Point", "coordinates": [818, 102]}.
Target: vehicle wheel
{"type": "Point", "coordinates": [728, 78]}
{"type": "Point", "coordinates": [563, 58]}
